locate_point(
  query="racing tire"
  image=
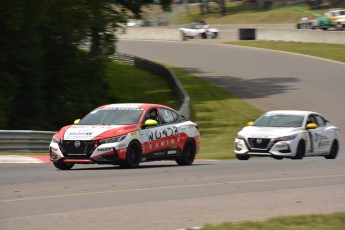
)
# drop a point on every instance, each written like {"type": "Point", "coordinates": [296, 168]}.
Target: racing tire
{"type": "Point", "coordinates": [277, 157]}
{"type": "Point", "coordinates": [242, 157]}
{"type": "Point", "coordinates": [334, 150]}
{"type": "Point", "coordinates": [188, 154]}
{"type": "Point", "coordinates": [63, 166]}
{"type": "Point", "coordinates": [300, 152]}
{"type": "Point", "coordinates": [338, 26]}
{"type": "Point", "coordinates": [203, 35]}
{"type": "Point", "coordinates": [133, 156]}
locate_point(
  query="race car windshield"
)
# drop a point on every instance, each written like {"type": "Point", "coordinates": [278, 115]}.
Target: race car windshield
{"type": "Point", "coordinates": [112, 116]}
{"type": "Point", "coordinates": [279, 120]}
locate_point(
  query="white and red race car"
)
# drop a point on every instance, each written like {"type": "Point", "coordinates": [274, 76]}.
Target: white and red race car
{"type": "Point", "coordinates": [126, 135]}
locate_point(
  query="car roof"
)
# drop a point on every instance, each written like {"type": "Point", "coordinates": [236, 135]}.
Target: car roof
{"type": "Point", "coordinates": [291, 112]}
{"type": "Point", "coordinates": [134, 105]}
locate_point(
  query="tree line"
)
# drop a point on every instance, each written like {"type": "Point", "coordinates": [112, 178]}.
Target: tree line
{"type": "Point", "coordinates": [46, 79]}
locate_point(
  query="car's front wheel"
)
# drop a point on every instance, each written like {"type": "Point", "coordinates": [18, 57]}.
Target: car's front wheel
{"type": "Point", "coordinates": [63, 166]}
{"type": "Point", "coordinates": [188, 154]}
{"type": "Point", "coordinates": [133, 156]}
{"type": "Point", "coordinates": [242, 157]}
{"type": "Point", "coordinates": [300, 152]}
{"type": "Point", "coordinates": [334, 150]}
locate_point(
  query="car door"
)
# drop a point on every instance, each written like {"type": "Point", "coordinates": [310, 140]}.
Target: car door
{"type": "Point", "coordinates": [159, 139]}
{"type": "Point", "coordinates": [319, 137]}
{"type": "Point", "coordinates": [324, 135]}
{"type": "Point", "coordinates": [151, 134]}
{"type": "Point", "coordinates": [170, 131]}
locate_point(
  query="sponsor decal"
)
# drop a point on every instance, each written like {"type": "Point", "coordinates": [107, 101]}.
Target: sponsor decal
{"type": "Point", "coordinates": [158, 134]}
{"type": "Point", "coordinates": [162, 143]}
{"type": "Point", "coordinates": [134, 134]}
{"type": "Point", "coordinates": [104, 149]}
{"type": "Point", "coordinates": [123, 145]}
{"type": "Point", "coordinates": [80, 133]}
{"type": "Point", "coordinates": [171, 152]}
{"type": "Point", "coordinates": [159, 154]}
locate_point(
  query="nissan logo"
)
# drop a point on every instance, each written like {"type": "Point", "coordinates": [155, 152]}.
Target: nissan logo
{"type": "Point", "coordinates": [77, 144]}
{"type": "Point", "coordinates": [259, 141]}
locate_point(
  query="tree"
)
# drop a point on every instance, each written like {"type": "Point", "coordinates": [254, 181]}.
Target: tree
{"type": "Point", "coordinates": [46, 79]}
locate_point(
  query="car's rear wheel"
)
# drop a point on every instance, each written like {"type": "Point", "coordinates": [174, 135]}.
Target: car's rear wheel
{"type": "Point", "coordinates": [334, 150]}
{"type": "Point", "coordinates": [63, 166]}
{"type": "Point", "coordinates": [278, 157]}
{"type": "Point", "coordinates": [300, 152]}
{"type": "Point", "coordinates": [203, 35]}
{"type": "Point", "coordinates": [242, 157]}
{"type": "Point", "coordinates": [188, 154]}
{"type": "Point", "coordinates": [133, 156]}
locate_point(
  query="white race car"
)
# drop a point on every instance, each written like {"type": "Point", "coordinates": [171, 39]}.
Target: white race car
{"type": "Point", "coordinates": [199, 30]}
{"type": "Point", "coordinates": [126, 135]}
{"type": "Point", "coordinates": [288, 134]}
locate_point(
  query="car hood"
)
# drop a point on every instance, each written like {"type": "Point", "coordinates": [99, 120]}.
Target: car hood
{"type": "Point", "coordinates": [267, 132]}
{"type": "Point", "coordinates": [90, 132]}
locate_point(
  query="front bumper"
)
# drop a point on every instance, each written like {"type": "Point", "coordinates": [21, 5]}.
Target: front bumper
{"type": "Point", "coordinates": [281, 148]}
{"type": "Point", "coordinates": [87, 153]}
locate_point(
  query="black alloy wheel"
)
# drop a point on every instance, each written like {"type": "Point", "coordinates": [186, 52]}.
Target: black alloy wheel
{"type": "Point", "coordinates": [133, 156]}
{"type": "Point", "coordinates": [63, 166]}
{"type": "Point", "coordinates": [334, 150]}
{"type": "Point", "coordinates": [300, 151]}
{"type": "Point", "coordinates": [188, 154]}
{"type": "Point", "coordinates": [242, 157]}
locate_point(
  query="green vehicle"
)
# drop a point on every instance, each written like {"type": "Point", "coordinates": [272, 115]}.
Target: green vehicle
{"type": "Point", "coordinates": [322, 21]}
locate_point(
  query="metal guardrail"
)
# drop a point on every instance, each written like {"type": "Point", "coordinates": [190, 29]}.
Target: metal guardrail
{"type": "Point", "coordinates": [25, 140]}
{"type": "Point", "coordinates": [38, 141]}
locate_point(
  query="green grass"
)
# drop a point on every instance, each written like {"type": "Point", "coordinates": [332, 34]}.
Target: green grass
{"type": "Point", "coordinates": [329, 51]}
{"type": "Point", "coordinates": [128, 84]}
{"type": "Point", "coordinates": [239, 13]}
{"type": "Point", "coordinates": [334, 221]}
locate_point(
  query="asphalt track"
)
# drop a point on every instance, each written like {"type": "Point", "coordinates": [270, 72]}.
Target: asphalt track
{"type": "Point", "coordinates": [163, 196]}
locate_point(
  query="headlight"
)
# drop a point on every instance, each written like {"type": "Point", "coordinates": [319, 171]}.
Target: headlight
{"type": "Point", "coordinates": [55, 140]}
{"type": "Point", "coordinates": [113, 139]}
{"type": "Point", "coordinates": [287, 138]}
{"type": "Point", "coordinates": [240, 137]}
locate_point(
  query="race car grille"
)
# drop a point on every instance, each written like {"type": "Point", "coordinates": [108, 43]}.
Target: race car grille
{"type": "Point", "coordinates": [77, 149]}
{"type": "Point", "coordinates": [259, 143]}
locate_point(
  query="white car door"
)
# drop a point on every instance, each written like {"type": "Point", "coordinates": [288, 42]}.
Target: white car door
{"type": "Point", "coordinates": [320, 137]}
{"type": "Point", "coordinates": [325, 135]}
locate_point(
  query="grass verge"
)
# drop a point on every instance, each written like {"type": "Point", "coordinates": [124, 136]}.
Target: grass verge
{"type": "Point", "coordinates": [335, 221]}
{"type": "Point", "coordinates": [241, 13]}
{"type": "Point", "coordinates": [329, 51]}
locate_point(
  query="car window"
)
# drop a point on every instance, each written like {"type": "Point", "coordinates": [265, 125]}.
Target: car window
{"type": "Point", "coordinates": [311, 120]}
{"type": "Point", "coordinates": [279, 120]}
{"type": "Point", "coordinates": [152, 114]}
{"type": "Point", "coordinates": [168, 116]}
{"type": "Point", "coordinates": [112, 116]}
{"type": "Point", "coordinates": [320, 120]}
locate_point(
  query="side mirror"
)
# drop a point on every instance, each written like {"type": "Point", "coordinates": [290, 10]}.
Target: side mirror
{"type": "Point", "coordinates": [76, 121]}
{"type": "Point", "coordinates": [151, 122]}
{"type": "Point", "coordinates": [251, 123]}
{"type": "Point", "coordinates": [312, 126]}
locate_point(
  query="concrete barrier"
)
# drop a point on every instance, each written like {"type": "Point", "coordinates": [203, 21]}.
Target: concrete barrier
{"type": "Point", "coordinates": [151, 33]}
{"type": "Point", "coordinates": [317, 36]}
